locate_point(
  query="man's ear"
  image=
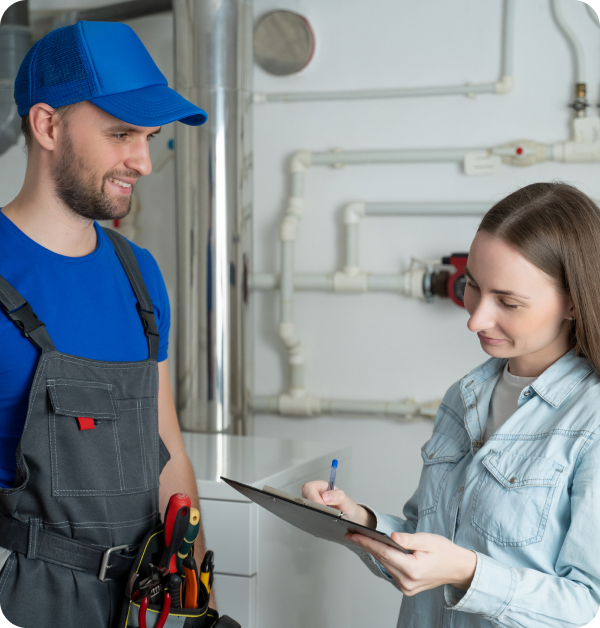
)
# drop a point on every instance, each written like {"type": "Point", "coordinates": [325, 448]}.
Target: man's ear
{"type": "Point", "coordinates": [43, 125]}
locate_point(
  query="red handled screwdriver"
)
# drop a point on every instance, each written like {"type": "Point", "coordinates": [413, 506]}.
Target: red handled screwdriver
{"type": "Point", "coordinates": [177, 519]}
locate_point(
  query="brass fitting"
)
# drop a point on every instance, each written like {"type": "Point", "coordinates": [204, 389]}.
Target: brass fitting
{"type": "Point", "coordinates": [580, 104]}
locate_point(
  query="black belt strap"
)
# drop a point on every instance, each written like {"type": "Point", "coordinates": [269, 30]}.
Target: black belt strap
{"type": "Point", "coordinates": [144, 305]}
{"type": "Point", "coordinates": [34, 542]}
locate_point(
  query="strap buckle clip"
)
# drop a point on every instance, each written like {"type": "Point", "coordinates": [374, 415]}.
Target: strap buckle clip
{"type": "Point", "coordinates": [104, 567]}
{"type": "Point", "coordinates": [148, 321]}
{"type": "Point", "coordinates": [25, 319]}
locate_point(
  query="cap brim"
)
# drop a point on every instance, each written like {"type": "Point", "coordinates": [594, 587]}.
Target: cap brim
{"type": "Point", "coordinates": [151, 106]}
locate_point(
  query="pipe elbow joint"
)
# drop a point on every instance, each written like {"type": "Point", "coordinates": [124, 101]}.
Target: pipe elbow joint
{"type": "Point", "coordinates": [300, 162]}
{"type": "Point", "coordinates": [585, 145]}
{"type": "Point", "coordinates": [287, 333]}
{"type": "Point", "coordinates": [351, 281]}
{"type": "Point", "coordinates": [505, 84]}
{"type": "Point", "coordinates": [299, 404]}
{"type": "Point", "coordinates": [353, 212]}
{"type": "Point", "coordinates": [291, 220]}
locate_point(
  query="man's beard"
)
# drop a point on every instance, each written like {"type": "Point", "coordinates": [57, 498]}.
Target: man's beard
{"type": "Point", "coordinates": [76, 186]}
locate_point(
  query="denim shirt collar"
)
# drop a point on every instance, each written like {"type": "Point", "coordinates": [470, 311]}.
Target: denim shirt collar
{"type": "Point", "coordinates": [558, 381]}
{"type": "Point", "coordinates": [554, 385]}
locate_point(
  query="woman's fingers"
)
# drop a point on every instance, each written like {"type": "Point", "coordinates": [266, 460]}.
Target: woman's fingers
{"type": "Point", "coordinates": [435, 561]}
{"type": "Point", "coordinates": [335, 498]}
{"type": "Point", "coordinates": [419, 541]}
{"type": "Point", "coordinates": [312, 490]}
{"type": "Point", "coordinates": [318, 491]}
{"type": "Point", "coordinates": [380, 551]}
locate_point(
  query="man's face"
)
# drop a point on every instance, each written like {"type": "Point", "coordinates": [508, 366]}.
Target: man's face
{"type": "Point", "coordinates": [98, 162]}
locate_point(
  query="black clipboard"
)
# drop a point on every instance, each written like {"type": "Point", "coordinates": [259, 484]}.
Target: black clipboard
{"type": "Point", "coordinates": [315, 522]}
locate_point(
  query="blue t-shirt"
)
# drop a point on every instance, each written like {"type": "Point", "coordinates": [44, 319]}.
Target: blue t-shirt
{"type": "Point", "coordinates": [89, 309]}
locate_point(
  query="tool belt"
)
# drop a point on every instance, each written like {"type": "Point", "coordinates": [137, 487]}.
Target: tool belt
{"type": "Point", "coordinates": [136, 613]}
{"type": "Point", "coordinates": [35, 542]}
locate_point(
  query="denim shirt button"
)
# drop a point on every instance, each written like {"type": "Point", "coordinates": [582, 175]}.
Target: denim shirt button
{"type": "Point", "coordinates": [471, 406]}
{"type": "Point", "coordinates": [513, 480]}
{"type": "Point", "coordinates": [527, 393]}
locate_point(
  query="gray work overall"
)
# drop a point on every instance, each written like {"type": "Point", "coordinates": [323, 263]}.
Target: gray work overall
{"type": "Point", "coordinates": [87, 475]}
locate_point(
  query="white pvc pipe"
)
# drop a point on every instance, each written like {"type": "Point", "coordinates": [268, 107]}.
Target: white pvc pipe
{"type": "Point", "coordinates": [573, 40]}
{"type": "Point", "coordinates": [297, 184]}
{"type": "Point", "coordinates": [264, 404]}
{"type": "Point", "coordinates": [501, 87]}
{"type": "Point", "coordinates": [324, 283]}
{"type": "Point", "coordinates": [263, 281]}
{"type": "Point", "coordinates": [370, 94]}
{"type": "Point", "coordinates": [386, 283]}
{"type": "Point", "coordinates": [297, 376]}
{"type": "Point", "coordinates": [372, 408]}
{"type": "Point", "coordinates": [270, 281]}
{"type": "Point", "coordinates": [287, 282]}
{"type": "Point", "coordinates": [509, 35]}
{"type": "Point", "coordinates": [352, 245]}
{"type": "Point", "coordinates": [426, 209]}
{"type": "Point", "coordinates": [333, 158]}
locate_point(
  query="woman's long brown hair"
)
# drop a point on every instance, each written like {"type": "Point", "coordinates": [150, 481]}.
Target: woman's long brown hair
{"type": "Point", "coordinates": [556, 227]}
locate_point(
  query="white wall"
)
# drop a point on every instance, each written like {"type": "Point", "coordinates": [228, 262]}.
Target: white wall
{"type": "Point", "coordinates": [379, 346]}
{"type": "Point", "coordinates": [384, 346]}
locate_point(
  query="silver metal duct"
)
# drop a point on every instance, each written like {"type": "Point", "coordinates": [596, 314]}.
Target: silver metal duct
{"type": "Point", "coordinates": [119, 12]}
{"type": "Point", "coordinates": [14, 44]}
{"type": "Point", "coordinates": [213, 68]}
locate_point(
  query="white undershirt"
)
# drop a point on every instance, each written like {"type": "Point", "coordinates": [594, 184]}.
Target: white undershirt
{"type": "Point", "coordinates": [505, 400]}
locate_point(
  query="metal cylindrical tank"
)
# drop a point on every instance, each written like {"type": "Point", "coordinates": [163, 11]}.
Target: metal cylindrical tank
{"type": "Point", "coordinates": [213, 69]}
{"type": "Point", "coordinates": [14, 44]}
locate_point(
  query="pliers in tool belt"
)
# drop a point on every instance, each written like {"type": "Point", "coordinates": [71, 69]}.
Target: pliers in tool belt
{"type": "Point", "coordinates": [163, 614]}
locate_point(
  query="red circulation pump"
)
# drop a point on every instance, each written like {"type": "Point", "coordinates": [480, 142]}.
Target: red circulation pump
{"type": "Point", "coordinates": [446, 284]}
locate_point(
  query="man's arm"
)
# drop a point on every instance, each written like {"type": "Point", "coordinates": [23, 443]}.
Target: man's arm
{"type": "Point", "coordinates": [178, 475]}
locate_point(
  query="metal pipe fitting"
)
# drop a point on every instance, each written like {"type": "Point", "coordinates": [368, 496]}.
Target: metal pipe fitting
{"type": "Point", "coordinates": [580, 104]}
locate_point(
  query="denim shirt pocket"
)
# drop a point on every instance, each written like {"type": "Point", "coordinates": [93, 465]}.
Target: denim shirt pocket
{"type": "Point", "coordinates": [440, 455]}
{"type": "Point", "coordinates": [513, 497]}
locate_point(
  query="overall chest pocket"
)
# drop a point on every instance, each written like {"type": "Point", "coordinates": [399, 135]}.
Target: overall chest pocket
{"type": "Point", "coordinates": [513, 497]}
{"type": "Point", "coordinates": [440, 455]}
{"type": "Point", "coordinates": [100, 445]}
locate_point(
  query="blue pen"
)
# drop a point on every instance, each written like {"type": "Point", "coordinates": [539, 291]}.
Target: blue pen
{"type": "Point", "coordinates": [334, 464]}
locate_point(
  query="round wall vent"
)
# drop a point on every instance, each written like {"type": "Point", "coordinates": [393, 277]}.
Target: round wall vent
{"type": "Point", "coordinates": [284, 43]}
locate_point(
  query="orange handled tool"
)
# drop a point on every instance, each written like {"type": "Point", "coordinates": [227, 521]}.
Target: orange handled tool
{"type": "Point", "coordinates": [191, 583]}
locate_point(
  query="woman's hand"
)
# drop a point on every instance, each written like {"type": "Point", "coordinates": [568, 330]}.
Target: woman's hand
{"type": "Point", "coordinates": [435, 561]}
{"type": "Point", "coordinates": [317, 491]}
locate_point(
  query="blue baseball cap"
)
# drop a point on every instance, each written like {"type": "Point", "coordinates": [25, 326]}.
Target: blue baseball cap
{"type": "Point", "coordinates": [107, 64]}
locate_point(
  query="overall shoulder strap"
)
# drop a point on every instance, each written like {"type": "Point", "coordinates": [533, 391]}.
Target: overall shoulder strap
{"type": "Point", "coordinates": [144, 305]}
{"type": "Point", "coordinates": [21, 314]}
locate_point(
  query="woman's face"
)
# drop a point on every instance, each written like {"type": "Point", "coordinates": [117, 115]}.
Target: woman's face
{"type": "Point", "coordinates": [516, 309]}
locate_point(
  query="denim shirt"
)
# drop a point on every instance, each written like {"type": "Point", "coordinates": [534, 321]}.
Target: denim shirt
{"type": "Point", "coordinates": [527, 502]}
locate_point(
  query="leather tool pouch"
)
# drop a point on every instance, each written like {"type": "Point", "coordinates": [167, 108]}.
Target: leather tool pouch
{"type": "Point", "coordinates": [202, 617]}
